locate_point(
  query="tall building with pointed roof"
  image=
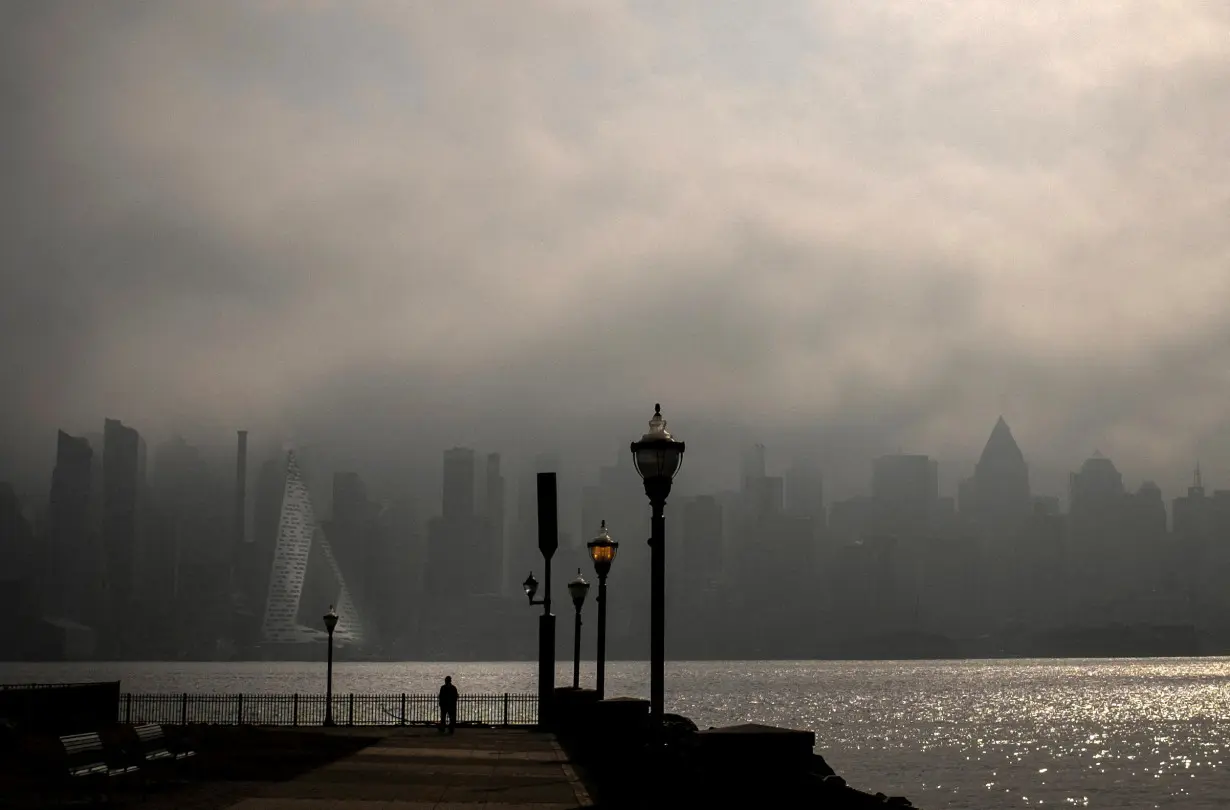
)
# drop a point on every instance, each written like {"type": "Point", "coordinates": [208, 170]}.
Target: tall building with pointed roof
{"type": "Point", "coordinates": [1001, 483]}
{"type": "Point", "coordinates": [305, 574]}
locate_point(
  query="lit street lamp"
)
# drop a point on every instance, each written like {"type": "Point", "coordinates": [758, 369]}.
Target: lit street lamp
{"type": "Point", "coordinates": [602, 550]}
{"type": "Point", "coordinates": [330, 624]}
{"type": "Point", "coordinates": [658, 458]}
{"type": "Point", "coordinates": [577, 590]}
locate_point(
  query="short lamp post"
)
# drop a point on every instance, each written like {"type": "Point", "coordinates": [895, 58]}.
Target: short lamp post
{"type": "Point", "coordinates": [330, 625]}
{"type": "Point", "coordinates": [577, 589]}
{"type": "Point", "coordinates": [602, 550]}
{"type": "Point", "coordinates": [658, 457]}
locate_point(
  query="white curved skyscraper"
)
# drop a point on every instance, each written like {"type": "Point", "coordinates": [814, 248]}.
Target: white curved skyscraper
{"type": "Point", "coordinates": [305, 574]}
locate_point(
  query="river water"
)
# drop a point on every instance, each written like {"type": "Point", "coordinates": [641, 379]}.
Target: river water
{"type": "Point", "coordinates": [1126, 733]}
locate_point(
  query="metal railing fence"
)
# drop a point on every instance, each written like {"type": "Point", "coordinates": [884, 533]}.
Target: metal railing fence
{"type": "Point", "coordinates": [508, 709]}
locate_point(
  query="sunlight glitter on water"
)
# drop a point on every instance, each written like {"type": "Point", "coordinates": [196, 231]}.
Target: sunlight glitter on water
{"type": "Point", "coordinates": [957, 734]}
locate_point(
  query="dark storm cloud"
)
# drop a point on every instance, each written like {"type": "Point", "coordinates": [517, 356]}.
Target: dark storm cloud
{"type": "Point", "coordinates": [909, 216]}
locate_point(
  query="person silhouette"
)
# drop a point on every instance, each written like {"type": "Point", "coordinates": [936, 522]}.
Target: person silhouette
{"type": "Point", "coordinates": [448, 705]}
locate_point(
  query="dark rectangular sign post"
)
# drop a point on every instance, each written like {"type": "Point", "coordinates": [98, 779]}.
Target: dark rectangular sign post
{"type": "Point", "coordinates": [548, 542]}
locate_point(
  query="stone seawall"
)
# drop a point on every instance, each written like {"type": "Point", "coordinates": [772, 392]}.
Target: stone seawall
{"type": "Point", "coordinates": [630, 764]}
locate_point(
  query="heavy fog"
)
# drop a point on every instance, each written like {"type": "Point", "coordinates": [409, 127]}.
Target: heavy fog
{"type": "Point", "coordinates": [376, 231]}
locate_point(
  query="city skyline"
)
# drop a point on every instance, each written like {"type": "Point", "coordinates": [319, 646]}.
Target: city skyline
{"type": "Point", "coordinates": [137, 558]}
{"type": "Point", "coordinates": [842, 480]}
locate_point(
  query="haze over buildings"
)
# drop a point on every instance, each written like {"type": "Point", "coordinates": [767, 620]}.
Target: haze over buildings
{"type": "Point", "coordinates": [905, 569]}
{"type": "Point", "coordinates": [852, 233]}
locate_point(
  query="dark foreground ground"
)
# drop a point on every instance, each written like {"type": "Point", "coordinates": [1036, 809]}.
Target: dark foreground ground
{"type": "Point", "coordinates": [255, 768]}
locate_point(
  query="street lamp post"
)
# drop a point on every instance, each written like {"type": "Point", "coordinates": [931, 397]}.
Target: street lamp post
{"type": "Point", "coordinates": [602, 551]}
{"type": "Point", "coordinates": [658, 457]}
{"type": "Point", "coordinates": [330, 624]}
{"type": "Point", "coordinates": [577, 590]}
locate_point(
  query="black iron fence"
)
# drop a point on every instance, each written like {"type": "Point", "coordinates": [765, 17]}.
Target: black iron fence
{"type": "Point", "coordinates": [507, 709]}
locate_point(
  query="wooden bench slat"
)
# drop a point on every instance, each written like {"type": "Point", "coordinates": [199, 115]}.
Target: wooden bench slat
{"type": "Point", "coordinates": [87, 757]}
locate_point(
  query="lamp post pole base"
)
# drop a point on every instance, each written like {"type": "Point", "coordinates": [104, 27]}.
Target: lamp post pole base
{"type": "Point", "coordinates": [329, 686]}
{"type": "Point", "coordinates": [657, 595]}
{"type": "Point", "coordinates": [600, 675]}
{"type": "Point", "coordinates": [576, 652]}
{"type": "Point", "coordinates": [546, 667]}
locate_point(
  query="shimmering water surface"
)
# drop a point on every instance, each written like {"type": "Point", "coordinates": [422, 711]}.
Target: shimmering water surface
{"type": "Point", "coordinates": [1128, 733]}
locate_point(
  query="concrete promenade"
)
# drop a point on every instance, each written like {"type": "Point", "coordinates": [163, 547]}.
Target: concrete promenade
{"type": "Point", "coordinates": [420, 769]}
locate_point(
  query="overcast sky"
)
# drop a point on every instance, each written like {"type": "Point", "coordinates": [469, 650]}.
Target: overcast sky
{"type": "Point", "coordinates": [513, 224]}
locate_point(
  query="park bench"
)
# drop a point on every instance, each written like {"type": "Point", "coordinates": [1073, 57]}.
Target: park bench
{"type": "Point", "coordinates": [153, 747]}
{"type": "Point", "coordinates": [88, 762]}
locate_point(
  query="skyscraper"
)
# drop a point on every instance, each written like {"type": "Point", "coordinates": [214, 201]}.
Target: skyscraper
{"type": "Point", "coordinates": [805, 491]}
{"type": "Point", "coordinates": [352, 535]}
{"type": "Point", "coordinates": [16, 537]}
{"type": "Point", "coordinates": [73, 566]}
{"type": "Point", "coordinates": [183, 528]}
{"type": "Point", "coordinates": [702, 539]}
{"type": "Point", "coordinates": [1097, 520]}
{"type": "Point", "coordinates": [1001, 486]}
{"type": "Point", "coordinates": [123, 495]}
{"type": "Point", "coordinates": [753, 464]}
{"type": "Point", "coordinates": [305, 573]}
{"type": "Point", "coordinates": [904, 489]}
{"type": "Point", "coordinates": [493, 522]}
{"type": "Point", "coordinates": [455, 538]}
{"type": "Point", "coordinates": [458, 498]}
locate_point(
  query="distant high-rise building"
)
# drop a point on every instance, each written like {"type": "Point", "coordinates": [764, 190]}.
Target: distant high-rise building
{"type": "Point", "coordinates": [240, 515]}
{"type": "Point", "coordinates": [753, 464]}
{"type": "Point", "coordinates": [1001, 486]}
{"type": "Point", "coordinates": [1046, 504]}
{"type": "Point", "coordinates": [350, 504]}
{"type": "Point", "coordinates": [256, 561]}
{"type": "Point", "coordinates": [766, 497]}
{"type": "Point", "coordinates": [73, 566]}
{"type": "Point", "coordinates": [16, 538]}
{"type": "Point", "coordinates": [458, 498]}
{"type": "Point", "coordinates": [493, 515]}
{"type": "Point", "coordinates": [805, 491]}
{"type": "Point", "coordinates": [305, 574]}
{"type": "Point", "coordinates": [351, 533]}
{"type": "Point", "coordinates": [1201, 524]}
{"type": "Point", "coordinates": [458, 562]}
{"type": "Point", "coordinates": [850, 520]}
{"type": "Point", "coordinates": [702, 538]}
{"type": "Point", "coordinates": [123, 496]}
{"type": "Point", "coordinates": [904, 489]}
{"type": "Point", "coordinates": [1098, 520]}
{"type": "Point", "coordinates": [182, 527]}
{"type": "Point", "coordinates": [967, 499]}
{"type": "Point", "coordinates": [1097, 485]}
{"type": "Point", "coordinates": [1192, 513]}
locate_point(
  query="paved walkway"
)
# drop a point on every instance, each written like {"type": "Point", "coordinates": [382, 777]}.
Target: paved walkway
{"type": "Point", "coordinates": [420, 769]}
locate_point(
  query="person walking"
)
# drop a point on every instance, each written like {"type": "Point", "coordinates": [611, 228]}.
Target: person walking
{"type": "Point", "coordinates": [448, 705]}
